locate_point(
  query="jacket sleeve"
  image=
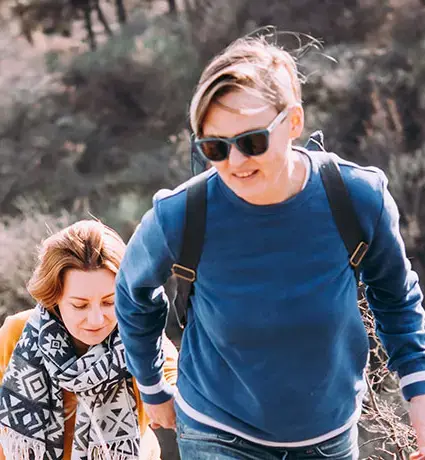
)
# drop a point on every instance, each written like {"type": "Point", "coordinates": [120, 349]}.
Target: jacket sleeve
{"type": "Point", "coordinates": [395, 298]}
{"type": "Point", "coordinates": [10, 333]}
{"type": "Point", "coordinates": [142, 308]}
{"type": "Point", "coordinates": [170, 375]}
{"type": "Point", "coordinates": [7, 344]}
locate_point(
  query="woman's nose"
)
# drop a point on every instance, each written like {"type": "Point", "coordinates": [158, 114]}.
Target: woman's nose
{"type": "Point", "coordinates": [95, 317]}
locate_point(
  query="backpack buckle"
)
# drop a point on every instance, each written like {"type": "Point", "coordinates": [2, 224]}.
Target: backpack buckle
{"type": "Point", "coordinates": [358, 254]}
{"type": "Point", "coordinates": [183, 272]}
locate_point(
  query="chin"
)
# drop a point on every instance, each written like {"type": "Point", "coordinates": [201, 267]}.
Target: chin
{"type": "Point", "coordinates": [247, 193]}
{"type": "Point", "coordinates": [94, 339]}
{"type": "Point", "coordinates": [249, 189]}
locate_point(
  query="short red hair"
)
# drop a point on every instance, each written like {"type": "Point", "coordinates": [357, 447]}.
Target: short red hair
{"type": "Point", "coordinates": [85, 245]}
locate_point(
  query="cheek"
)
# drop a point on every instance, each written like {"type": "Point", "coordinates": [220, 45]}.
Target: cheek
{"type": "Point", "coordinates": [110, 316]}
{"type": "Point", "coordinates": [71, 317]}
{"type": "Point", "coordinates": [222, 169]}
{"type": "Point", "coordinates": [72, 320]}
{"type": "Point", "coordinates": [220, 166]}
{"type": "Point", "coordinates": [268, 163]}
{"type": "Point", "coordinates": [274, 159]}
{"type": "Point", "coordinates": [112, 319]}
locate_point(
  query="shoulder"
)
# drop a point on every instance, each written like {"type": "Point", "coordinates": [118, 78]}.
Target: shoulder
{"type": "Point", "coordinates": [169, 209]}
{"type": "Point", "coordinates": [10, 333]}
{"type": "Point", "coordinates": [165, 200]}
{"type": "Point", "coordinates": [362, 179]}
{"type": "Point", "coordinates": [366, 186]}
{"type": "Point", "coordinates": [14, 324]}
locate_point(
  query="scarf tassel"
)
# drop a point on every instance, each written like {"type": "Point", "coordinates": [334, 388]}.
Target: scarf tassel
{"type": "Point", "coordinates": [110, 451]}
{"type": "Point", "coordinates": [16, 446]}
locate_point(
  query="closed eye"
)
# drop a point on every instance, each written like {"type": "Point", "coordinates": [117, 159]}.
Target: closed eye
{"type": "Point", "coordinates": [79, 307]}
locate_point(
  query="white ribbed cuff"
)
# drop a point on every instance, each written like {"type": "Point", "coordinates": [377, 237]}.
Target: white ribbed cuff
{"type": "Point", "coordinates": [412, 378]}
{"type": "Point", "coordinates": [153, 389]}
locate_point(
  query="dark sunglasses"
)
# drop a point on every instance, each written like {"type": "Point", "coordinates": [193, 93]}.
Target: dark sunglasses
{"type": "Point", "coordinates": [251, 143]}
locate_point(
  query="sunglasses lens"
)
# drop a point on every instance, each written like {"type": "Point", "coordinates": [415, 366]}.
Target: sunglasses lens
{"type": "Point", "coordinates": [214, 150]}
{"type": "Point", "coordinates": [253, 144]}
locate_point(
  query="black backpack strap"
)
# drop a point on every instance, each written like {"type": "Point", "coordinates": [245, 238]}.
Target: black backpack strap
{"type": "Point", "coordinates": [192, 243]}
{"type": "Point", "coordinates": [316, 142]}
{"type": "Point", "coordinates": [342, 208]}
{"type": "Point", "coordinates": [343, 212]}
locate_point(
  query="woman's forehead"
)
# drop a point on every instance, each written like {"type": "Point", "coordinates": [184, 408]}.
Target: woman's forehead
{"type": "Point", "coordinates": [88, 283]}
{"type": "Point", "coordinates": [235, 113]}
{"type": "Point", "coordinates": [243, 102]}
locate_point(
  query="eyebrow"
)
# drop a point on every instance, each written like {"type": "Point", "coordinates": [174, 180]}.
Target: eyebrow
{"type": "Point", "coordinates": [83, 298]}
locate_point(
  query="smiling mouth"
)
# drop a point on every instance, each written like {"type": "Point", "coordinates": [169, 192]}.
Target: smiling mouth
{"type": "Point", "coordinates": [245, 175]}
{"type": "Point", "coordinates": [95, 330]}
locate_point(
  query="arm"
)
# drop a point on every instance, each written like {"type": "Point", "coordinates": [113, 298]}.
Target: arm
{"type": "Point", "coordinates": [5, 354]}
{"type": "Point", "coordinates": [10, 333]}
{"type": "Point", "coordinates": [161, 414]}
{"type": "Point", "coordinates": [4, 359]}
{"type": "Point", "coordinates": [395, 298]}
{"type": "Point", "coordinates": [142, 308]}
{"type": "Point", "coordinates": [9, 336]}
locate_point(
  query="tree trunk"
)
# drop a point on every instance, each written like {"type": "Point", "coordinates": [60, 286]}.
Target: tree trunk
{"type": "Point", "coordinates": [172, 6]}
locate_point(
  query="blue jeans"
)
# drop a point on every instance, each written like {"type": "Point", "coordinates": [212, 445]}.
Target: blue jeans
{"type": "Point", "coordinates": [197, 445]}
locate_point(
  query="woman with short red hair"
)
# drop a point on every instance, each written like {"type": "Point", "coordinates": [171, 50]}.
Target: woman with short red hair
{"type": "Point", "coordinates": [65, 390]}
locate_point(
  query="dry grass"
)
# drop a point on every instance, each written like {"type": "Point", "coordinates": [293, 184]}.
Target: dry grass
{"type": "Point", "coordinates": [385, 429]}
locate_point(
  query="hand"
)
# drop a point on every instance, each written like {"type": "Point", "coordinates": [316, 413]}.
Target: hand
{"type": "Point", "coordinates": [417, 418]}
{"type": "Point", "coordinates": [161, 415]}
{"type": "Point", "coordinates": [416, 456]}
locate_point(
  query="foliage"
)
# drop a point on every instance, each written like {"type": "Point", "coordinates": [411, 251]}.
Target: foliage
{"type": "Point", "coordinates": [104, 126]}
{"type": "Point", "coordinates": [21, 236]}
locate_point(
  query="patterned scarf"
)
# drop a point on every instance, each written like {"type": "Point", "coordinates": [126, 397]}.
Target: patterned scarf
{"type": "Point", "coordinates": [43, 364]}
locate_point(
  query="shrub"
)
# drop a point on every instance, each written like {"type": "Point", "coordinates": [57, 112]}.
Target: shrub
{"type": "Point", "coordinates": [20, 237]}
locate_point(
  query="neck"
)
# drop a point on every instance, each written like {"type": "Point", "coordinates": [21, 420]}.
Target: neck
{"type": "Point", "coordinates": [296, 174]}
{"type": "Point", "coordinates": [80, 347]}
{"type": "Point", "coordinates": [289, 182]}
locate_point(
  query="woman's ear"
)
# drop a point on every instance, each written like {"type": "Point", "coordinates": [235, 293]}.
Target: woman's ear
{"type": "Point", "coordinates": [297, 122]}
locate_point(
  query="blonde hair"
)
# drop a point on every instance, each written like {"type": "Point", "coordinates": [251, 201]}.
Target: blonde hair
{"type": "Point", "coordinates": [251, 64]}
{"type": "Point", "coordinates": [85, 245]}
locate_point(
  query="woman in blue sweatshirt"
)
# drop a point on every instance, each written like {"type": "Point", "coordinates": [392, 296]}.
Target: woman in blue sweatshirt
{"type": "Point", "coordinates": [273, 357]}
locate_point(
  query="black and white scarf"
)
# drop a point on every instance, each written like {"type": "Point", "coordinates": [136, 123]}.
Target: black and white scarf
{"type": "Point", "coordinates": [43, 364]}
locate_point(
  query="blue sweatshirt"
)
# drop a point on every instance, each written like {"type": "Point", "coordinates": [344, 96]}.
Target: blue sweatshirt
{"type": "Point", "coordinates": [275, 348]}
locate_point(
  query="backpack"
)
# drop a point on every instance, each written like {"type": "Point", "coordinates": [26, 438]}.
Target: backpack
{"type": "Point", "coordinates": [342, 209]}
